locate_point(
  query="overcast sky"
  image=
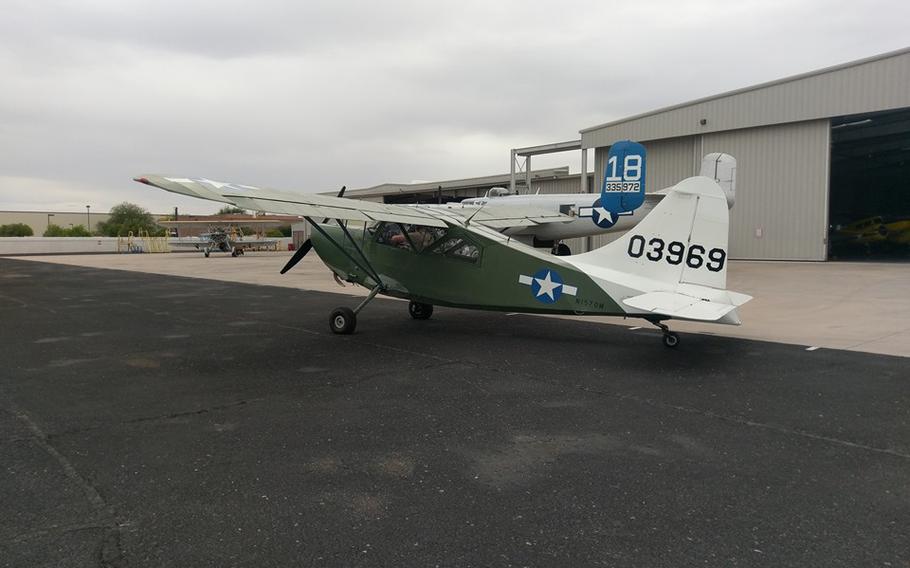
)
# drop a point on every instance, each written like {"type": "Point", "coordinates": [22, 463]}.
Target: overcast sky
{"type": "Point", "coordinates": [311, 95]}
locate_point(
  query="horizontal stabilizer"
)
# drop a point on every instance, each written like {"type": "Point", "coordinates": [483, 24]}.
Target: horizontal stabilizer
{"type": "Point", "coordinates": [680, 306]}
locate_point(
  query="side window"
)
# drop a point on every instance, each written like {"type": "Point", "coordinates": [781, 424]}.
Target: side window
{"type": "Point", "coordinates": [459, 248]}
{"type": "Point", "coordinates": [389, 234]}
{"type": "Point", "coordinates": [414, 237]}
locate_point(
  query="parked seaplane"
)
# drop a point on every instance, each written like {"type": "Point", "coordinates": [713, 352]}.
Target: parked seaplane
{"type": "Point", "coordinates": [671, 265]}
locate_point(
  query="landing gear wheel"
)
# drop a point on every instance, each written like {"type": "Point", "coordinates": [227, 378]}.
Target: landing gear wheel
{"type": "Point", "coordinates": [233, 251]}
{"type": "Point", "coordinates": [671, 339]}
{"type": "Point", "coordinates": [206, 252]}
{"type": "Point", "coordinates": [562, 249]}
{"type": "Point", "coordinates": [343, 321]}
{"type": "Point", "coordinates": [420, 311]}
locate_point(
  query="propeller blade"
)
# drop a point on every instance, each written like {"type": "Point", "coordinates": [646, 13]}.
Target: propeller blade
{"type": "Point", "coordinates": [301, 252]}
{"type": "Point", "coordinates": [340, 194]}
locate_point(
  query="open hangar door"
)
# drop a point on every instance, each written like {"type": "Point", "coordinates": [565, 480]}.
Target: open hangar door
{"type": "Point", "coordinates": [869, 205]}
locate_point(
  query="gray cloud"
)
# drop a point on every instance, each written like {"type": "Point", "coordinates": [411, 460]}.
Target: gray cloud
{"type": "Point", "coordinates": [313, 95]}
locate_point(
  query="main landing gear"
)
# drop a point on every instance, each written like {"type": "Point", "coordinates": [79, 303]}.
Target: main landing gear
{"type": "Point", "coordinates": [671, 338]}
{"type": "Point", "coordinates": [343, 320]}
{"type": "Point", "coordinates": [420, 311]}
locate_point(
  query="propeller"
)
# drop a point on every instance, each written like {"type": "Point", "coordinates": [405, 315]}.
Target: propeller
{"type": "Point", "coordinates": [307, 244]}
{"type": "Point", "coordinates": [301, 252]}
{"type": "Point", "coordinates": [340, 194]}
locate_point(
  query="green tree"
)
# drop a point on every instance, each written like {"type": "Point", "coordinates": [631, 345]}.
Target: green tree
{"type": "Point", "coordinates": [78, 231]}
{"type": "Point", "coordinates": [128, 217]}
{"type": "Point", "coordinates": [280, 231]}
{"type": "Point", "coordinates": [54, 231]}
{"type": "Point", "coordinates": [58, 231]}
{"type": "Point", "coordinates": [16, 230]}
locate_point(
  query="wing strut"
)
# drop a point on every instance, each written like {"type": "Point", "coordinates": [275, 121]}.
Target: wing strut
{"type": "Point", "coordinates": [368, 268]}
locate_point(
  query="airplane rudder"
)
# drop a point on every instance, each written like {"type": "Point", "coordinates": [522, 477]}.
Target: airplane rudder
{"type": "Point", "coordinates": [623, 187]}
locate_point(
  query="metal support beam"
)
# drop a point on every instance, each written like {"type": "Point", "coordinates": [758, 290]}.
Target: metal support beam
{"type": "Point", "coordinates": [529, 151]}
{"type": "Point", "coordinates": [512, 173]}
{"type": "Point", "coordinates": [584, 170]}
{"type": "Point", "coordinates": [528, 174]}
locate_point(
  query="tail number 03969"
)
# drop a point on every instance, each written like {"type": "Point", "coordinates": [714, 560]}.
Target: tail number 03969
{"type": "Point", "coordinates": [676, 252]}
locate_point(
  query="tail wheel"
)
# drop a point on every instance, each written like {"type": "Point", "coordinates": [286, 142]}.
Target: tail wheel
{"type": "Point", "coordinates": [343, 321]}
{"type": "Point", "coordinates": [562, 249]}
{"type": "Point", "coordinates": [671, 339]}
{"type": "Point", "coordinates": [420, 311]}
{"type": "Point", "coordinates": [206, 252]}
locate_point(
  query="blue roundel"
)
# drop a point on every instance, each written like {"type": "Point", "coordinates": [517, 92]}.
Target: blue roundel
{"type": "Point", "coordinates": [601, 217]}
{"type": "Point", "coordinates": [546, 285]}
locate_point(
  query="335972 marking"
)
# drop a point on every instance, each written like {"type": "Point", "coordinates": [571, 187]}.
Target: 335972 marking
{"type": "Point", "coordinates": [656, 249]}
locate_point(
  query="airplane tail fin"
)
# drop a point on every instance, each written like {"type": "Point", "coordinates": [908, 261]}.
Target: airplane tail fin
{"type": "Point", "coordinates": [674, 262]}
{"type": "Point", "coordinates": [623, 187]}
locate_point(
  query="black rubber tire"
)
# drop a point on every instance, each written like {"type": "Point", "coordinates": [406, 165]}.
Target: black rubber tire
{"type": "Point", "coordinates": [420, 311]}
{"type": "Point", "coordinates": [206, 252]}
{"type": "Point", "coordinates": [671, 339]}
{"type": "Point", "coordinates": [343, 321]}
{"type": "Point", "coordinates": [562, 249]}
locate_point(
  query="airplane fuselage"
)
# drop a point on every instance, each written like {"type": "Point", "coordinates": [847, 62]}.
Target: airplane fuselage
{"type": "Point", "coordinates": [588, 218]}
{"type": "Point", "coordinates": [494, 273]}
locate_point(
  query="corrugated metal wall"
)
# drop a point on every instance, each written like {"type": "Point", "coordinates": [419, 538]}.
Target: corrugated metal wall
{"type": "Point", "coordinates": [782, 185]}
{"type": "Point", "coordinates": [781, 189]}
{"type": "Point", "coordinates": [867, 86]}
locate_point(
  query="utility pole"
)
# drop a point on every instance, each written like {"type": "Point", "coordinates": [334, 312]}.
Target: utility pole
{"type": "Point", "coordinates": [49, 215]}
{"type": "Point", "coordinates": [88, 217]}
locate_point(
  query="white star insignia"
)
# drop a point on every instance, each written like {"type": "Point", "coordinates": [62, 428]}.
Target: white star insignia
{"type": "Point", "coordinates": [215, 184]}
{"type": "Point", "coordinates": [547, 286]}
{"type": "Point", "coordinates": [602, 214]}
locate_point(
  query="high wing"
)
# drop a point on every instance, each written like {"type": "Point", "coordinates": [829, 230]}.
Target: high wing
{"type": "Point", "coordinates": [321, 206]}
{"type": "Point", "coordinates": [248, 242]}
{"type": "Point", "coordinates": [194, 243]}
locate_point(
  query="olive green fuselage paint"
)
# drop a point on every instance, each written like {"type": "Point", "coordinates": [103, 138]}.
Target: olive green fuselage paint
{"type": "Point", "coordinates": [500, 279]}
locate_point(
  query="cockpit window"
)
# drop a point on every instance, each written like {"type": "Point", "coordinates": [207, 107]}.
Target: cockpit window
{"type": "Point", "coordinates": [413, 237]}
{"type": "Point", "coordinates": [459, 248]}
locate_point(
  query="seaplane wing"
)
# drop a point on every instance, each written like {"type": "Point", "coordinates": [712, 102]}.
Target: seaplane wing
{"type": "Point", "coordinates": [322, 206]}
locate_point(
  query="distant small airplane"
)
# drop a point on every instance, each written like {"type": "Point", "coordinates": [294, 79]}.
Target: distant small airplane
{"type": "Point", "coordinates": [224, 237]}
{"type": "Point", "coordinates": [672, 265]}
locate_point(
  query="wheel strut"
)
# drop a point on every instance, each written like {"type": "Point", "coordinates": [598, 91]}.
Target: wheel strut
{"type": "Point", "coordinates": [670, 338]}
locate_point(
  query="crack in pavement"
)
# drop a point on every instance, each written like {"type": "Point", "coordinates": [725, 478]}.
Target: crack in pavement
{"type": "Point", "coordinates": [107, 513]}
{"type": "Point", "coordinates": [731, 418]}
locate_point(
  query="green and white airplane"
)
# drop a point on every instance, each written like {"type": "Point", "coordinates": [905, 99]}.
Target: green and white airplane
{"type": "Point", "coordinates": [671, 265]}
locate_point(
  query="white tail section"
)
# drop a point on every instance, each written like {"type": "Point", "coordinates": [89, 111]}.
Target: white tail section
{"type": "Point", "coordinates": [721, 168]}
{"type": "Point", "coordinates": [681, 244]}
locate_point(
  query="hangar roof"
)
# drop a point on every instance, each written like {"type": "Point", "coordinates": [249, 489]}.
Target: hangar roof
{"type": "Point", "coordinates": [866, 85]}
{"type": "Point", "coordinates": [466, 183]}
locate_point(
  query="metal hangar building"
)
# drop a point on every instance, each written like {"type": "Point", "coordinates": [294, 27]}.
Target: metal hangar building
{"type": "Point", "coordinates": [814, 152]}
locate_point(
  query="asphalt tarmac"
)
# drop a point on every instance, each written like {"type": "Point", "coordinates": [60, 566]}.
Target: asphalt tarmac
{"type": "Point", "coordinates": [150, 420]}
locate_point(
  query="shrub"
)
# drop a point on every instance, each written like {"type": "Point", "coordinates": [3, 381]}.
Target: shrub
{"type": "Point", "coordinates": [16, 230]}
